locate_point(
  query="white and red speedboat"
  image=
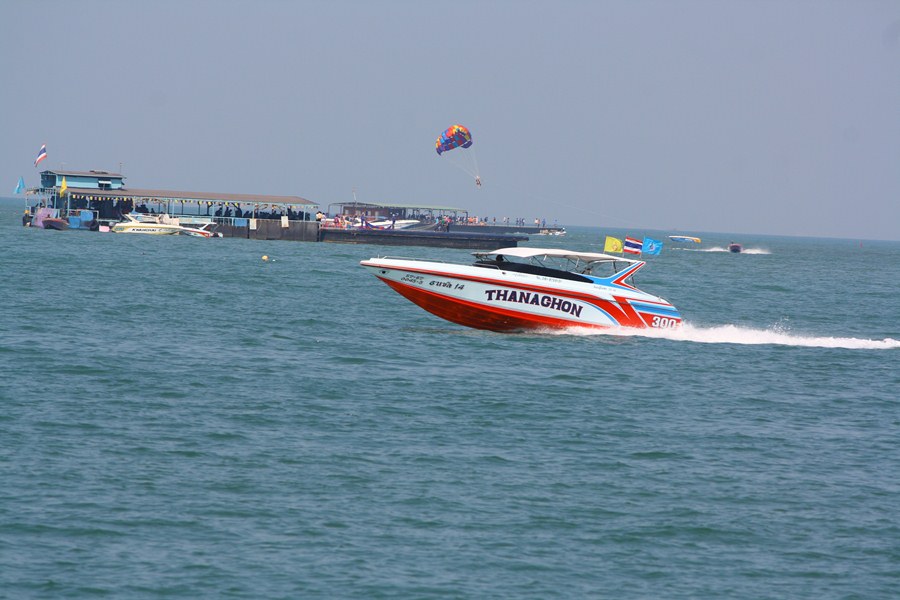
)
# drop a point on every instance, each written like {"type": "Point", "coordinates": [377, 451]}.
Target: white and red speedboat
{"type": "Point", "coordinates": [514, 289]}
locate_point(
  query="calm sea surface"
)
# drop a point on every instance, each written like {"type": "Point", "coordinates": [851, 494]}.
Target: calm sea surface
{"type": "Point", "coordinates": [180, 419]}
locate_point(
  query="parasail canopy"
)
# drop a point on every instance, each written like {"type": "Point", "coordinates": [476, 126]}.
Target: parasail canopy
{"type": "Point", "coordinates": [455, 136]}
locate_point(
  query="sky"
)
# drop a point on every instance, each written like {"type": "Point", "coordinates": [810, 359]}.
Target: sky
{"type": "Point", "coordinates": [760, 117]}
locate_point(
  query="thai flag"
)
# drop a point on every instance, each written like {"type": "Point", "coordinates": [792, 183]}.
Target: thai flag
{"type": "Point", "coordinates": [42, 154]}
{"type": "Point", "coordinates": [633, 246]}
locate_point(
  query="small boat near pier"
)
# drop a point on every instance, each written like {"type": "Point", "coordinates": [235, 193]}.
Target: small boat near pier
{"type": "Point", "coordinates": [162, 224]}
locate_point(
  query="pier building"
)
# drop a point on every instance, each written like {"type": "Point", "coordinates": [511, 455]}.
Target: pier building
{"type": "Point", "coordinates": [103, 196]}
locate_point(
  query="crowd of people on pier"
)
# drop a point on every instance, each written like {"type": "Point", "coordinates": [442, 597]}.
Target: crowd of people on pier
{"type": "Point", "coordinates": [272, 211]}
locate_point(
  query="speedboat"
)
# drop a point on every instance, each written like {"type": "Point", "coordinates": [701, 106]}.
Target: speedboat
{"type": "Point", "coordinates": [386, 223]}
{"type": "Point", "coordinates": [198, 227]}
{"type": "Point", "coordinates": [736, 248]}
{"type": "Point", "coordinates": [515, 289]}
{"type": "Point", "coordinates": [149, 224]}
{"type": "Point", "coordinates": [159, 225]}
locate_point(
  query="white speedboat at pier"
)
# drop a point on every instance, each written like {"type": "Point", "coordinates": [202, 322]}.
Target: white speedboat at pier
{"type": "Point", "coordinates": [513, 289]}
{"type": "Point", "coordinates": [162, 224]}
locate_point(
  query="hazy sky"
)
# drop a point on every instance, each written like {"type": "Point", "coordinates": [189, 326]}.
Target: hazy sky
{"type": "Point", "coordinates": [778, 117]}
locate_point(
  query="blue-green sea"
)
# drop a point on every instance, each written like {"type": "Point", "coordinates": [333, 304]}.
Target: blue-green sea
{"type": "Point", "coordinates": [181, 419]}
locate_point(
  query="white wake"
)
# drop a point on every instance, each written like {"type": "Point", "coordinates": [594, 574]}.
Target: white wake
{"type": "Point", "coordinates": [732, 334]}
{"type": "Point", "coordinates": [723, 249]}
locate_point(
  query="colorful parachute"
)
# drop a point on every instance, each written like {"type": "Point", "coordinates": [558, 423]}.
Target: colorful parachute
{"type": "Point", "coordinates": [454, 137]}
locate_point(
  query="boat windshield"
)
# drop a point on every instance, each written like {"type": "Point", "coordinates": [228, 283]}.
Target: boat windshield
{"type": "Point", "coordinates": [562, 267]}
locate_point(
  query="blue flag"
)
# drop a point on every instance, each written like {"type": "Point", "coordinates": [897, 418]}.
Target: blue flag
{"type": "Point", "coordinates": [652, 246]}
{"type": "Point", "coordinates": [20, 187]}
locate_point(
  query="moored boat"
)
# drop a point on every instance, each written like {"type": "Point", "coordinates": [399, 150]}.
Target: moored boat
{"type": "Point", "coordinates": [55, 223]}
{"type": "Point", "coordinates": [391, 223]}
{"type": "Point", "coordinates": [514, 289]}
{"type": "Point", "coordinates": [160, 225]}
{"type": "Point", "coordinates": [146, 224]}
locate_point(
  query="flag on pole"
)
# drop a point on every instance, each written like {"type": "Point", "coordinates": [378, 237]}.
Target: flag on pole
{"type": "Point", "coordinates": [652, 246]}
{"type": "Point", "coordinates": [42, 154]}
{"type": "Point", "coordinates": [63, 187]}
{"type": "Point", "coordinates": [612, 245]}
{"type": "Point", "coordinates": [632, 246]}
{"type": "Point", "coordinates": [20, 187]}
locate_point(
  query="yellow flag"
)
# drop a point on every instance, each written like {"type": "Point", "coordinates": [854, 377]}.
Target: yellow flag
{"type": "Point", "coordinates": [63, 187]}
{"type": "Point", "coordinates": [612, 245]}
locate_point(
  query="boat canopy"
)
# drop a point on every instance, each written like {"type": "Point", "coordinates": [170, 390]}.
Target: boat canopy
{"type": "Point", "coordinates": [588, 257]}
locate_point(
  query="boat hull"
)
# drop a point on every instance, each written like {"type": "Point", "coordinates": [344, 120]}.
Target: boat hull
{"type": "Point", "coordinates": [161, 229]}
{"type": "Point", "coordinates": [507, 301]}
{"type": "Point", "coordinates": [54, 223]}
{"type": "Point", "coordinates": [145, 229]}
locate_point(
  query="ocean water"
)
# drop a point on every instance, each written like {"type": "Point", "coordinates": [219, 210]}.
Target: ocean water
{"type": "Point", "coordinates": [181, 419]}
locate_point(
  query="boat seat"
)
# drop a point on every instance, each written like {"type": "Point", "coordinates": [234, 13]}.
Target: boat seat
{"type": "Point", "coordinates": [488, 264]}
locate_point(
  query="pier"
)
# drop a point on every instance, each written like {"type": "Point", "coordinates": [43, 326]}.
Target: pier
{"type": "Point", "coordinates": [98, 200]}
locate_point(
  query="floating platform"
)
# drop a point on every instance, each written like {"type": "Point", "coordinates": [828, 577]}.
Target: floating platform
{"type": "Point", "coordinates": [408, 237]}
